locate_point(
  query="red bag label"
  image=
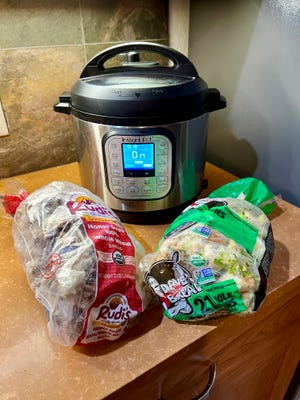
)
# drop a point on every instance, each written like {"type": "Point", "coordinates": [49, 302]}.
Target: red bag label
{"type": "Point", "coordinates": [116, 300]}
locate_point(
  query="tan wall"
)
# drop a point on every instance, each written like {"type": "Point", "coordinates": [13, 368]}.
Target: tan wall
{"type": "Point", "coordinates": [250, 51]}
{"type": "Point", "coordinates": [43, 48]}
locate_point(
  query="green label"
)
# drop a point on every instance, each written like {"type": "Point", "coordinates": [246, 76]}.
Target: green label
{"type": "Point", "coordinates": [197, 260]}
{"type": "Point", "coordinates": [223, 296]}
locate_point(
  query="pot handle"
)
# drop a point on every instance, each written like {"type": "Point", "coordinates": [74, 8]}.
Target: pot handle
{"type": "Point", "coordinates": [214, 100]}
{"type": "Point", "coordinates": [64, 104]}
{"type": "Point", "coordinates": [181, 65]}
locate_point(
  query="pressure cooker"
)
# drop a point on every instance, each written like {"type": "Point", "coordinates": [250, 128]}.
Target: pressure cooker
{"type": "Point", "coordinates": [140, 113]}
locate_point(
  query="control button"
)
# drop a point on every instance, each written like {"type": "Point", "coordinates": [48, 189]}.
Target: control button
{"type": "Point", "coordinates": [162, 143]}
{"type": "Point", "coordinates": [147, 181]}
{"type": "Point", "coordinates": [117, 181]}
{"type": "Point", "coordinates": [113, 145]}
{"type": "Point", "coordinates": [162, 161]}
{"type": "Point", "coordinates": [162, 153]}
{"type": "Point", "coordinates": [115, 154]}
{"type": "Point", "coordinates": [162, 171]}
{"type": "Point", "coordinates": [132, 190]}
{"type": "Point", "coordinates": [162, 180]}
{"type": "Point", "coordinates": [116, 172]}
{"type": "Point", "coordinates": [161, 188]}
{"type": "Point", "coordinates": [118, 189]}
{"type": "Point", "coordinates": [147, 190]}
{"type": "Point", "coordinates": [115, 165]}
{"type": "Point", "coordinates": [132, 182]}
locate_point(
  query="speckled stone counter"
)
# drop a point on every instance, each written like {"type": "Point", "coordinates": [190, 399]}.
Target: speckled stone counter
{"type": "Point", "coordinates": [34, 368]}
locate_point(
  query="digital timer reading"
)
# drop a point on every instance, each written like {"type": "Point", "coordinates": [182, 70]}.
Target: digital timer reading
{"type": "Point", "coordinates": [138, 159]}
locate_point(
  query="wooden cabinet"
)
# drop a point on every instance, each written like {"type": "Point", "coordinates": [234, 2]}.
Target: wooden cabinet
{"type": "Point", "coordinates": [255, 356]}
{"type": "Point", "coordinates": [259, 353]}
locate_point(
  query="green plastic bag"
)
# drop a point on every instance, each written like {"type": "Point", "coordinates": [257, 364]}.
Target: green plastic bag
{"type": "Point", "coordinates": [214, 258]}
{"type": "Point", "coordinates": [251, 189]}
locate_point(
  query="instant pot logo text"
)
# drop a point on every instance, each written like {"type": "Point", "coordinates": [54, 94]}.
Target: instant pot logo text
{"type": "Point", "coordinates": [138, 139]}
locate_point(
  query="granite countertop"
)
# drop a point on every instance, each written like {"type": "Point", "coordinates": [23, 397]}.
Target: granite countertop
{"type": "Point", "coordinates": [32, 367]}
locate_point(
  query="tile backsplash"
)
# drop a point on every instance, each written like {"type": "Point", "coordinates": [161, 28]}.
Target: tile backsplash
{"type": "Point", "coordinates": [43, 48]}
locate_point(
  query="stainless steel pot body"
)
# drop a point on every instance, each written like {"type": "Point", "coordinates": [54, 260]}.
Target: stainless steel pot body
{"type": "Point", "coordinates": [174, 178]}
{"type": "Point", "coordinates": [141, 129]}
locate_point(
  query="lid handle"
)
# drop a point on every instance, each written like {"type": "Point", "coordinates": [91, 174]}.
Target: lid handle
{"type": "Point", "coordinates": [181, 65]}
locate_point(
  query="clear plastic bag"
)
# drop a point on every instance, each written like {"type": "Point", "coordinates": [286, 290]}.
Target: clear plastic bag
{"type": "Point", "coordinates": [79, 261]}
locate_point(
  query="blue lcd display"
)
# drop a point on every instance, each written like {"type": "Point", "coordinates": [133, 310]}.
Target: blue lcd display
{"type": "Point", "coordinates": [138, 159]}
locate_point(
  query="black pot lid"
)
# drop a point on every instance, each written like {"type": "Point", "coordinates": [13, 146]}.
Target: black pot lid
{"type": "Point", "coordinates": [139, 92]}
{"type": "Point", "coordinates": [133, 82]}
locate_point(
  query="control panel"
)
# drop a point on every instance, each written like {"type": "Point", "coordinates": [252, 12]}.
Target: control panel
{"type": "Point", "coordinates": [138, 167]}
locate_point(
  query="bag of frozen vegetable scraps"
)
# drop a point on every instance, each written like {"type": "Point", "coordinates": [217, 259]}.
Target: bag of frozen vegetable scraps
{"type": "Point", "coordinates": [79, 261]}
{"type": "Point", "coordinates": [213, 260]}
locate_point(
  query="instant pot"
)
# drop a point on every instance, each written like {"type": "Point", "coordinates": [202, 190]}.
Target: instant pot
{"type": "Point", "coordinates": [141, 112]}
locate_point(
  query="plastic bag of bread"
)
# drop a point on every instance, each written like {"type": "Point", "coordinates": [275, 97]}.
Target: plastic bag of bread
{"type": "Point", "coordinates": [79, 261]}
{"type": "Point", "coordinates": [213, 260]}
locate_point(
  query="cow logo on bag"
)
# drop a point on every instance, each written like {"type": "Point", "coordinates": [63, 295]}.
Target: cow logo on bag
{"type": "Point", "coordinates": [173, 284]}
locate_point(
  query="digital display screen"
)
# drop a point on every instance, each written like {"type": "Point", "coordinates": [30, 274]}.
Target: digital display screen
{"type": "Point", "coordinates": [138, 159]}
